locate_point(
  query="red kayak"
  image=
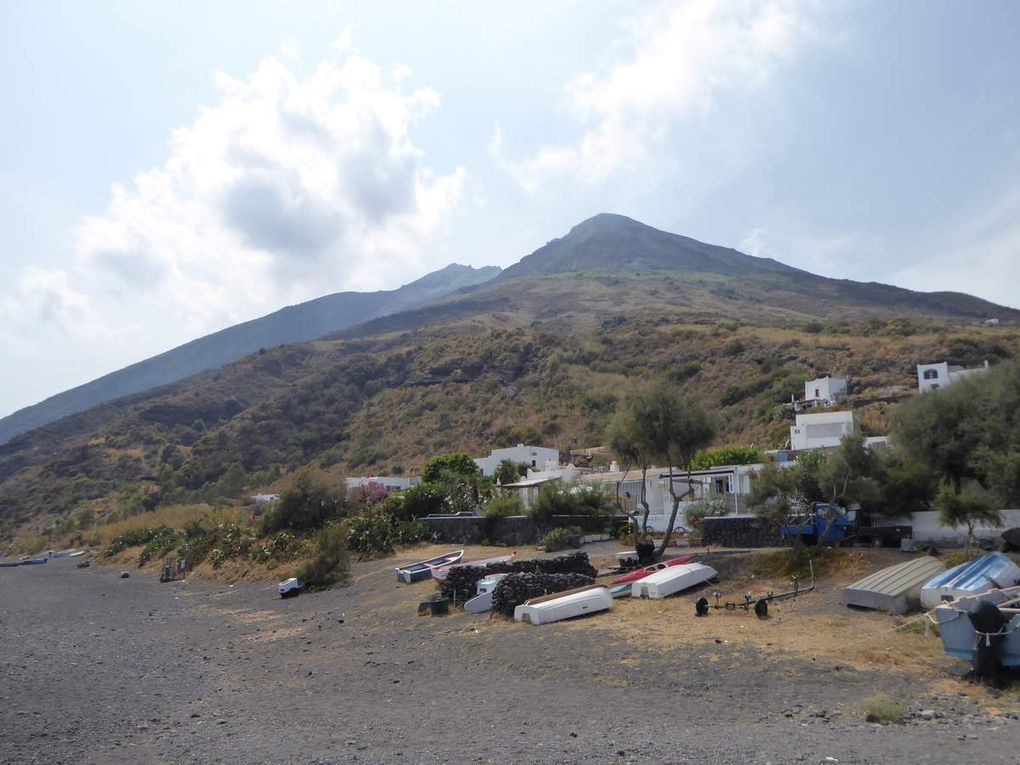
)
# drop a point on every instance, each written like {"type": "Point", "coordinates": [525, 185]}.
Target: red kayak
{"type": "Point", "coordinates": [641, 573]}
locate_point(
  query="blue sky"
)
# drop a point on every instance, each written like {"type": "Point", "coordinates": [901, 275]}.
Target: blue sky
{"type": "Point", "coordinates": [171, 169]}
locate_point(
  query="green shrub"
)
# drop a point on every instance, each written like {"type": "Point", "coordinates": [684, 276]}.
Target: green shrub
{"type": "Point", "coordinates": [307, 504]}
{"type": "Point", "coordinates": [704, 508]}
{"type": "Point", "coordinates": [134, 539]}
{"type": "Point", "coordinates": [419, 501]}
{"type": "Point", "coordinates": [163, 540]}
{"type": "Point", "coordinates": [276, 549]}
{"type": "Point", "coordinates": [570, 499]}
{"type": "Point", "coordinates": [727, 455]}
{"type": "Point", "coordinates": [379, 533]}
{"type": "Point", "coordinates": [332, 561]}
{"type": "Point", "coordinates": [562, 538]}
{"type": "Point", "coordinates": [882, 709]}
{"type": "Point", "coordinates": [504, 506]}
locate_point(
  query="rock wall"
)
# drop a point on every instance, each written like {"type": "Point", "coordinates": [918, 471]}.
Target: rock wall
{"type": "Point", "coordinates": [513, 531]}
{"type": "Point", "coordinates": [739, 531]}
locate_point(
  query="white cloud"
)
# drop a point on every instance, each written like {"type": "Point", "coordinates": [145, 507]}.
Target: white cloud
{"type": "Point", "coordinates": [674, 63]}
{"type": "Point", "coordinates": [979, 255]}
{"type": "Point", "coordinates": [286, 189]}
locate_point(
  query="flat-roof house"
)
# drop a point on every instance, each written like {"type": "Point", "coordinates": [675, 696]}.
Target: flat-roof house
{"type": "Point", "coordinates": [821, 429]}
{"type": "Point", "coordinates": [934, 376]}
{"type": "Point", "coordinates": [535, 457]}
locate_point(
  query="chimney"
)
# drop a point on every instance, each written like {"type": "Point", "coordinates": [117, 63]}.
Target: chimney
{"type": "Point", "coordinates": [614, 467]}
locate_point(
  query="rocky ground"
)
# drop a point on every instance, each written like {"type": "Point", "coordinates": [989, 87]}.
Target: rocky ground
{"type": "Point", "coordinates": [97, 669]}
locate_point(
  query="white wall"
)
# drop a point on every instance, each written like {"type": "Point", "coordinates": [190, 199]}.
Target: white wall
{"type": "Point", "coordinates": [391, 482]}
{"type": "Point", "coordinates": [928, 529]}
{"type": "Point", "coordinates": [828, 389]}
{"type": "Point", "coordinates": [535, 457]}
{"type": "Point", "coordinates": [815, 431]}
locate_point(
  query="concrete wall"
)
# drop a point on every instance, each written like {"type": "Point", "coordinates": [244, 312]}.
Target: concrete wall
{"type": "Point", "coordinates": [928, 529]}
{"type": "Point", "coordinates": [512, 531]}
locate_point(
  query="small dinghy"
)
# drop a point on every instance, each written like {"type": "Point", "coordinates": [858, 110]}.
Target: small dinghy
{"type": "Point", "coordinates": [9, 563]}
{"type": "Point", "coordinates": [564, 605]}
{"type": "Point", "coordinates": [983, 629]}
{"type": "Point", "coordinates": [32, 561]}
{"type": "Point", "coordinates": [77, 554]}
{"type": "Point", "coordinates": [483, 601]}
{"type": "Point", "coordinates": [672, 580]}
{"type": "Point", "coordinates": [989, 572]}
{"type": "Point", "coordinates": [423, 569]}
{"type": "Point", "coordinates": [641, 573]}
{"type": "Point", "coordinates": [439, 574]}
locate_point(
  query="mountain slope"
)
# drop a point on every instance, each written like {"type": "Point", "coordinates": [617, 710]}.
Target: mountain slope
{"type": "Point", "coordinates": [540, 357]}
{"type": "Point", "coordinates": [293, 324]}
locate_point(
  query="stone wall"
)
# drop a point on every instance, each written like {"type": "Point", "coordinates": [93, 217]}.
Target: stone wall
{"type": "Point", "coordinates": [513, 531]}
{"type": "Point", "coordinates": [739, 531]}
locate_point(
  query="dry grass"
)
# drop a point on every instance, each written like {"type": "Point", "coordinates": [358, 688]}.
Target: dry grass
{"type": "Point", "coordinates": [174, 516]}
{"type": "Point", "coordinates": [882, 709]}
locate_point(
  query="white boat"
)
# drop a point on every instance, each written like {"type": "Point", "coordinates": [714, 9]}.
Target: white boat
{"type": "Point", "coordinates": [983, 629]}
{"type": "Point", "coordinates": [439, 574]}
{"type": "Point", "coordinates": [672, 580]}
{"type": "Point", "coordinates": [989, 572]}
{"type": "Point", "coordinates": [564, 605]}
{"type": "Point", "coordinates": [482, 602]}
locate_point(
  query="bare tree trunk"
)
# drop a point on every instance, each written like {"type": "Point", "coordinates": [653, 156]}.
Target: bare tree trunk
{"type": "Point", "coordinates": [676, 506]}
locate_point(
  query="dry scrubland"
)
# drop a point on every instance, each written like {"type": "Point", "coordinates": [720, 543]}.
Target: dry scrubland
{"type": "Point", "coordinates": [99, 669]}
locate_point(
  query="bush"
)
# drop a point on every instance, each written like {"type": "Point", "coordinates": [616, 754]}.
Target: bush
{"type": "Point", "coordinates": [379, 533]}
{"type": "Point", "coordinates": [562, 538]}
{"type": "Point", "coordinates": [163, 540]}
{"type": "Point", "coordinates": [882, 709]}
{"type": "Point", "coordinates": [134, 539]}
{"type": "Point", "coordinates": [563, 499]}
{"type": "Point", "coordinates": [702, 509]}
{"type": "Point", "coordinates": [307, 504]}
{"type": "Point", "coordinates": [421, 500]}
{"type": "Point", "coordinates": [332, 562]}
{"type": "Point", "coordinates": [504, 506]}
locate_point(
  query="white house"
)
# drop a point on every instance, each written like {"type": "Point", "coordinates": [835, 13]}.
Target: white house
{"type": "Point", "coordinates": [934, 376]}
{"type": "Point", "coordinates": [821, 429]}
{"type": "Point", "coordinates": [535, 457]}
{"type": "Point", "coordinates": [390, 482]}
{"type": "Point", "coordinates": [528, 488]}
{"type": "Point", "coordinates": [825, 391]}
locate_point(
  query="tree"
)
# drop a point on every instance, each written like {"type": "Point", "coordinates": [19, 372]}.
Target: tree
{"type": "Point", "coordinates": [509, 471]}
{"type": "Point", "coordinates": [727, 455]}
{"type": "Point", "coordinates": [307, 503]}
{"type": "Point", "coordinates": [668, 428]}
{"type": "Point", "coordinates": [457, 463]}
{"type": "Point", "coordinates": [965, 509]}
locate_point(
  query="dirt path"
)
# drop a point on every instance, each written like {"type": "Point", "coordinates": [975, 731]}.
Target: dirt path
{"type": "Point", "coordinates": [102, 670]}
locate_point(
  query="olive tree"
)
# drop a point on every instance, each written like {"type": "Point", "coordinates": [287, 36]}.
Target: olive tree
{"type": "Point", "coordinates": [658, 424]}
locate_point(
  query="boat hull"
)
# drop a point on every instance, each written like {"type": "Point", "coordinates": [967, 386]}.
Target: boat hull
{"type": "Point", "coordinates": [989, 572]}
{"type": "Point", "coordinates": [960, 638]}
{"type": "Point", "coordinates": [440, 573]}
{"type": "Point", "coordinates": [416, 572]}
{"type": "Point", "coordinates": [641, 573]}
{"type": "Point", "coordinates": [672, 580]}
{"type": "Point", "coordinates": [564, 605]}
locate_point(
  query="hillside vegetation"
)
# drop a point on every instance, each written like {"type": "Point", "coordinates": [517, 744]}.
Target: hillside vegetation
{"type": "Point", "coordinates": [540, 358]}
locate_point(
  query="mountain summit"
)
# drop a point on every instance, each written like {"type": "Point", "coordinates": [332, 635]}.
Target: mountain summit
{"type": "Point", "coordinates": [609, 242]}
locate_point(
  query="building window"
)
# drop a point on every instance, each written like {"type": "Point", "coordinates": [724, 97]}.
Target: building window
{"type": "Point", "coordinates": [818, 393]}
{"type": "Point", "coordinates": [931, 374]}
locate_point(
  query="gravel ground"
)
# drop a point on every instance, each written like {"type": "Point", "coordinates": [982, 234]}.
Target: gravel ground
{"type": "Point", "coordinates": [98, 669]}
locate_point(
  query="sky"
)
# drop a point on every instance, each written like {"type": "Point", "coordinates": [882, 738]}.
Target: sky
{"type": "Point", "coordinates": [171, 169]}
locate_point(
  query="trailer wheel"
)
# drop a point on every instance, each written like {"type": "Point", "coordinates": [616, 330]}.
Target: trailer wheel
{"type": "Point", "coordinates": [876, 542]}
{"type": "Point", "coordinates": [701, 607]}
{"type": "Point", "coordinates": [761, 608]}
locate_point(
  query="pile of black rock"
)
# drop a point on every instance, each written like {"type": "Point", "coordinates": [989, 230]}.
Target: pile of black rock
{"type": "Point", "coordinates": [460, 584]}
{"type": "Point", "coordinates": [515, 589]}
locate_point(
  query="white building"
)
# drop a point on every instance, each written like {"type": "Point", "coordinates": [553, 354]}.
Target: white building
{"type": "Point", "coordinates": [821, 429]}
{"type": "Point", "coordinates": [825, 391]}
{"type": "Point", "coordinates": [390, 482]}
{"type": "Point", "coordinates": [535, 457]}
{"type": "Point", "coordinates": [934, 376]}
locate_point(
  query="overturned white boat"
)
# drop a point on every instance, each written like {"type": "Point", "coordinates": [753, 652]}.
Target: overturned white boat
{"type": "Point", "coordinates": [564, 605]}
{"type": "Point", "coordinates": [983, 629]}
{"type": "Point", "coordinates": [482, 602]}
{"type": "Point", "coordinates": [670, 581]}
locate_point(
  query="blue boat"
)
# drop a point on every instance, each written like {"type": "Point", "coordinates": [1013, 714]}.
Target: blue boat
{"type": "Point", "coordinates": [32, 561]}
{"type": "Point", "coordinates": [983, 629]}
{"type": "Point", "coordinates": [989, 572]}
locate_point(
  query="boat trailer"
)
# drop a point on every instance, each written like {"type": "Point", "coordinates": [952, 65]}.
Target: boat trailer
{"type": "Point", "coordinates": [760, 605]}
